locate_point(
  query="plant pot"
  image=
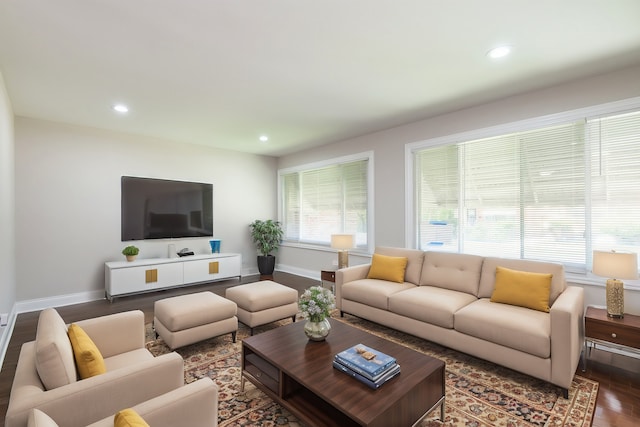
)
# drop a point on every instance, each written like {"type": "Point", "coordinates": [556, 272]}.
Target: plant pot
{"type": "Point", "coordinates": [266, 264]}
{"type": "Point", "coordinates": [131, 257]}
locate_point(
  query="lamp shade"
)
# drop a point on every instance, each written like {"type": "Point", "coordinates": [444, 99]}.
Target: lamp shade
{"type": "Point", "coordinates": [342, 241]}
{"type": "Point", "coordinates": [616, 265]}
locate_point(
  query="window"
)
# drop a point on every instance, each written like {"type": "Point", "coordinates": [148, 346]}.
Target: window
{"type": "Point", "coordinates": [552, 192]}
{"type": "Point", "coordinates": [324, 199]}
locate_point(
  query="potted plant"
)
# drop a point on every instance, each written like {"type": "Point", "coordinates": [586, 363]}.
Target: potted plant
{"type": "Point", "coordinates": [131, 252]}
{"type": "Point", "coordinates": [267, 236]}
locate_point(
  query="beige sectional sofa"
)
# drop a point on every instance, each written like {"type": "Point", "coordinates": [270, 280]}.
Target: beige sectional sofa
{"type": "Point", "coordinates": [446, 298]}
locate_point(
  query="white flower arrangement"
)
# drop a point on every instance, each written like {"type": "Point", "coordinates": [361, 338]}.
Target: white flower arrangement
{"type": "Point", "coordinates": [316, 303]}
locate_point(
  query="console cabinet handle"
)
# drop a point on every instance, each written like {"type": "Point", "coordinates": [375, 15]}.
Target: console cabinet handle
{"type": "Point", "coordinates": [613, 335]}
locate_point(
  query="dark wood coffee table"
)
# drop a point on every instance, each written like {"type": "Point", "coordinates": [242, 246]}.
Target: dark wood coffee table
{"type": "Point", "coordinates": [298, 374]}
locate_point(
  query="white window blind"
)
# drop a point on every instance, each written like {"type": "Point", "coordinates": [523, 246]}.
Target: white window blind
{"type": "Point", "coordinates": [319, 202]}
{"type": "Point", "coordinates": [615, 181]}
{"type": "Point", "coordinates": [553, 193]}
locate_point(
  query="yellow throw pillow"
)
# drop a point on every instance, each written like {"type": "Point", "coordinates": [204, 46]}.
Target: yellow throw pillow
{"type": "Point", "coordinates": [129, 418]}
{"type": "Point", "coordinates": [522, 288]}
{"type": "Point", "coordinates": [88, 358]}
{"type": "Point", "coordinates": [389, 268]}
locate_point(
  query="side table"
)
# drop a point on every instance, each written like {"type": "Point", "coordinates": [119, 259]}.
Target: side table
{"type": "Point", "coordinates": [618, 333]}
{"type": "Point", "coordinates": [328, 275]}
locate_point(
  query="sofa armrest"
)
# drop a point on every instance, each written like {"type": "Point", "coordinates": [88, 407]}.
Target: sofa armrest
{"type": "Point", "coordinates": [116, 333]}
{"type": "Point", "coordinates": [193, 405]}
{"type": "Point", "coordinates": [85, 401]}
{"type": "Point", "coordinates": [567, 335]}
{"type": "Point", "coordinates": [349, 274]}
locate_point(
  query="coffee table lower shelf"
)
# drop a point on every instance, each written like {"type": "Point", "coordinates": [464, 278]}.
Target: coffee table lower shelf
{"type": "Point", "coordinates": [300, 401]}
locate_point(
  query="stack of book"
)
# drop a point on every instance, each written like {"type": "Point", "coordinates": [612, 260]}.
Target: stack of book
{"type": "Point", "coordinates": [367, 365]}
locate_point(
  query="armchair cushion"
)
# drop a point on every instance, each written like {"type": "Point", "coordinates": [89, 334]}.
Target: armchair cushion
{"type": "Point", "coordinates": [88, 358]}
{"type": "Point", "coordinates": [54, 355]}
{"type": "Point", "coordinates": [129, 418]}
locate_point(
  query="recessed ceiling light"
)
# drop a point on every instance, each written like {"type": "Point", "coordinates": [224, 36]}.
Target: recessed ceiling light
{"type": "Point", "coordinates": [121, 108]}
{"type": "Point", "coordinates": [264, 138]}
{"type": "Point", "coordinates": [499, 52]}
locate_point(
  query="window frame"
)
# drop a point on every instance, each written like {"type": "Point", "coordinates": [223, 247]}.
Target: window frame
{"type": "Point", "coordinates": [587, 113]}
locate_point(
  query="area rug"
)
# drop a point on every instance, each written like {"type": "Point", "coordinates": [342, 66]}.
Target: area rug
{"type": "Point", "coordinates": [478, 393]}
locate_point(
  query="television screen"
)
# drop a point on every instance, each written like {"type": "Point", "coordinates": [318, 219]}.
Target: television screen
{"type": "Point", "coordinates": [161, 209]}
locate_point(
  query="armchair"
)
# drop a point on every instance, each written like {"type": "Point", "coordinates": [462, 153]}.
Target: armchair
{"type": "Point", "coordinates": [46, 378]}
{"type": "Point", "coordinates": [194, 405]}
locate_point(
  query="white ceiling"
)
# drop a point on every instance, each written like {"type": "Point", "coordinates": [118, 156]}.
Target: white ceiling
{"type": "Point", "coordinates": [305, 72]}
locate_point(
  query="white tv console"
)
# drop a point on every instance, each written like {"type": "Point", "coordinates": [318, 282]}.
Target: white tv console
{"type": "Point", "coordinates": [147, 275]}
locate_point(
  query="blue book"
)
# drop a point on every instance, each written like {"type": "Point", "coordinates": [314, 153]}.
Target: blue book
{"type": "Point", "coordinates": [395, 370]}
{"type": "Point", "coordinates": [366, 361]}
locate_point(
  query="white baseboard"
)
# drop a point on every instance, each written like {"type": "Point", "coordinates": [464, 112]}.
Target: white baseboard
{"type": "Point", "coordinates": [58, 301]}
{"type": "Point", "coordinates": [309, 274]}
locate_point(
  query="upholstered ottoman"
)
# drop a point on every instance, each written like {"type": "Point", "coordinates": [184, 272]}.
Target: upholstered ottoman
{"type": "Point", "coordinates": [263, 302]}
{"type": "Point", "coordinates": [187, 319]}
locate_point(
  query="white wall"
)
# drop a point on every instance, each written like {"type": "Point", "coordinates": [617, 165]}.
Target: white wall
{"type": "Point", "coordinates": [68, 202]}
{"type": "Point", "coordinates": [389, 157]}
{"type": "Point", "coordinates": [7, 202]}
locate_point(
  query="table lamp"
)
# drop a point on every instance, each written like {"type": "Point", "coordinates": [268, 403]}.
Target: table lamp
{"type": "Point", "coordinates": [342, 242]}
{"type": "Point", "coordinates": [616, 265]}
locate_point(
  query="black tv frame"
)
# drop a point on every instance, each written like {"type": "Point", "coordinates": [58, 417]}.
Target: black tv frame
{"type": "Point", "coordinates": [153, 208]}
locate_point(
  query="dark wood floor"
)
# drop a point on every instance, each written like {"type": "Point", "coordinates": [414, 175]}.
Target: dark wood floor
{"type": "Point", "coordinates": [619, 376]}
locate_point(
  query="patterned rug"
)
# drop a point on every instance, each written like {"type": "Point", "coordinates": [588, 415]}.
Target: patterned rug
{"type": "Point", "coordinates": [478, 393]}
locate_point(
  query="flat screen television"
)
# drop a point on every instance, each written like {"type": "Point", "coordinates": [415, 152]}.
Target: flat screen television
{"type": "Point", "coordinates": [164, 209]}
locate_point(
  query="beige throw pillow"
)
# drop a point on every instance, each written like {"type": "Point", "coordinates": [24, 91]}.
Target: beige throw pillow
{"type": "Point", "coordinates": [54, 357]}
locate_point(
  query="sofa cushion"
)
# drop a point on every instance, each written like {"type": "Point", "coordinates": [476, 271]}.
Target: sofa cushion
{"type": "Point", "coordinates": [129, 418]}
{"type": "Point", "coordinates": [373, 292]}
{"type": "Point", "coordinates": [89, 361]}
{"type": "Point", "coordinates": [54, 357]}
{"type": "Point", "coordinates": [508, 325]}
{"type": "Point", "coordinates": [488, 276]}
{"type": "Point", "coordinates": [430, 304]}
{"type": "Point", "coordinates": [389, 268]}
{"type": "Point", "coordinates": [458, 272]}
{"type": "Point", "coordinates": [522, 288]}
{"type": "Point", "coordinates": [414, 257]}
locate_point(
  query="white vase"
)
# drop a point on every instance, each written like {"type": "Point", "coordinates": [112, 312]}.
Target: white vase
{"type": "Point", "coordinates": [317, 331]}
